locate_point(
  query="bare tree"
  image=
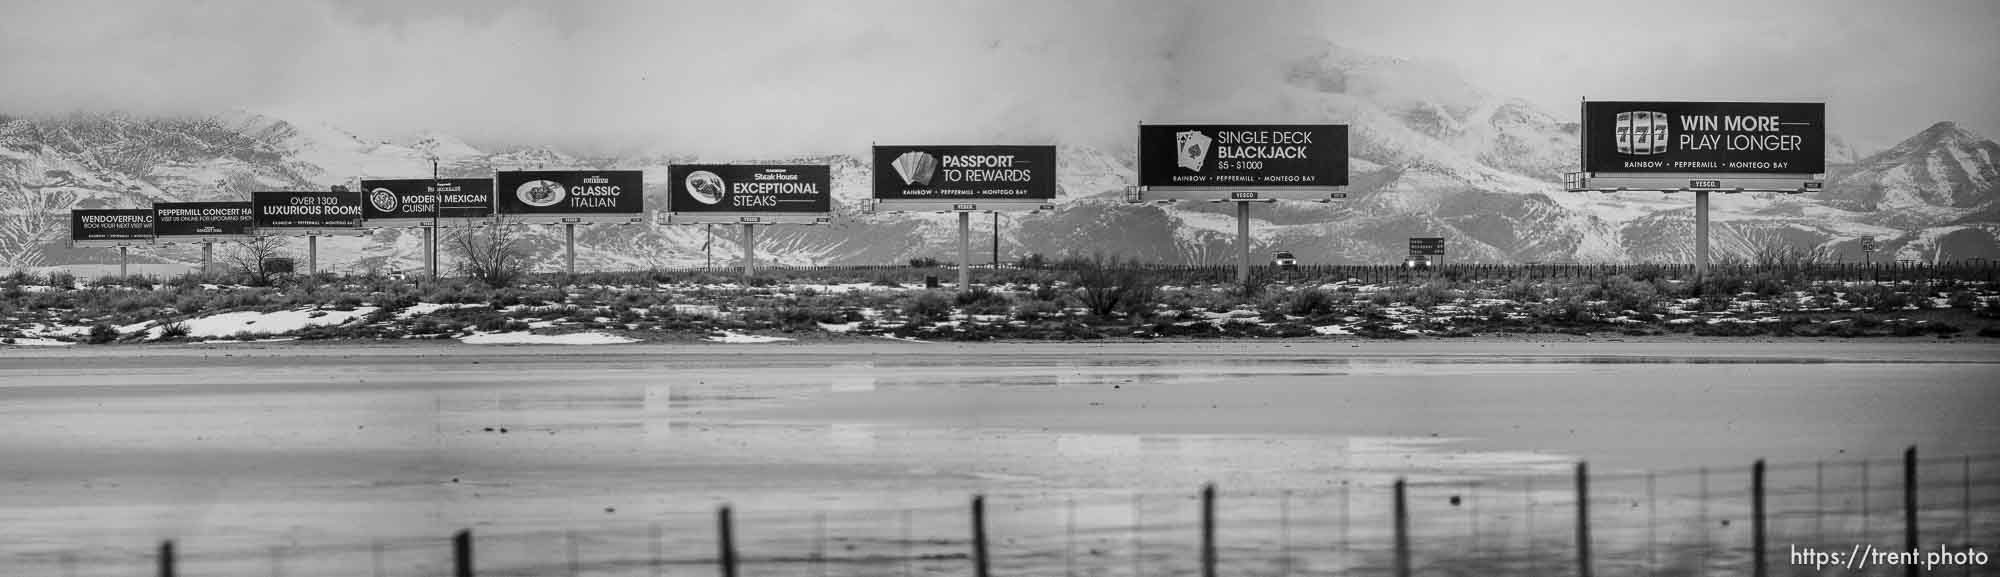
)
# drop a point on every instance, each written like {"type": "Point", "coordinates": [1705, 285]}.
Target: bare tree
{"type": "Point", "coordinates": [248, 259]}
{"type": "Point", "coordinates": [31, 215]}
{"type": "Point", "coordinates": [1769, 249]}
{"type": "Point", "coordinates": [490, 249]}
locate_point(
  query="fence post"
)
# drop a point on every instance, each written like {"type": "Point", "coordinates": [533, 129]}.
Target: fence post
{"type": "Point", "coordinates": [1652, 527]}
{"type": "Point", "coordinates": [1209, 529]}
{"type": "Point", "coordinates": [1285, 532]}
{"type": "Point", "coordinates": [1910, 506]}
{"type": "Point", "coordinates": [167, 558]}
{"type": "Point", "coordinates": [1402, 532]}
{"type": "Point", "coordinates": [1703, 524]}
{"type": "Point", "coordinates": [1583, 519]}
{"type": "Point", "coordinates": [461, 553]}
{"type": "Point", "coordinates": [819, 544]}
{"type": "Point", "coordinates": [726, 541]}
{"type": "Point", "coordinates": [1865, 499]}
{"type": "Point", "coordinates": [979, 568]}
{"type": "Point", "coordinates": [1069, 538]}
{"type": "Point", "coordinates": [658, 538]}
{"type": "Point", "coordinates": [1757, 568]}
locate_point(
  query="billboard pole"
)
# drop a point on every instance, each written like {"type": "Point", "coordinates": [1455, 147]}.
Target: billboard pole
{"type": "Point", "coordinates": [996, 240]}
{"type": "Point", "coordinates": [1700, 236]}
{"type": "Point", "coordinates": [430, 234]}
{"type": "Point", "coordinates": [207, 258]}
{"type": "Point", "coordinates": [749, 250]}
{"type": "Point", "coordinates": [964, 250]}
{"type": "Point", "coordinates": [569, 240]}
{"type": "Point", "coordinates": [312, 254]}
{"type": "Point", "coordinates": [1243, 244]}
{"type": "Point", "coordinates": [122, 262]}
{"type": "Point", "coordinates": [709, 248]}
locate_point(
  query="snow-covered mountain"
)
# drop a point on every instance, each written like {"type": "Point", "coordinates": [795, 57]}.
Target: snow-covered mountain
{"type": "Point", "coordinates": [1433, 155]}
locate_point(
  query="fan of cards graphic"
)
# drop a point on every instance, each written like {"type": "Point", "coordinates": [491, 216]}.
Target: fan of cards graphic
{"type": "Point", "coordinates": [916, 168]}
{"type": "Point", "coordinates": [1193, 149]}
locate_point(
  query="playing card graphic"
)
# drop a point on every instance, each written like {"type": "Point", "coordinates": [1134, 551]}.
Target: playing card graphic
{"type": "Point", "coordinates": [1192, 149]}
{"type": "Point", "coordinates": [916, 168]}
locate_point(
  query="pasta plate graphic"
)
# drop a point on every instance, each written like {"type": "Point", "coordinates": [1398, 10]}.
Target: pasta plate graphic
{"type": "Point", "coordinates": [540, 193]}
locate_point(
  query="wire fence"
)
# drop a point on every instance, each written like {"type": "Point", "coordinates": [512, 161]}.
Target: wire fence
{"type": "Point", "coordinates": [1225, 274]}
{"type": "Point", "coordinates": [1747, 520]}
{"type": "Point", "coordinates": [1962, 271]}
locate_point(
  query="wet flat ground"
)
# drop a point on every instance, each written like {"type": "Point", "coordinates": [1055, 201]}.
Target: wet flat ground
{"type": "Point", "coordinates": [247, 447]}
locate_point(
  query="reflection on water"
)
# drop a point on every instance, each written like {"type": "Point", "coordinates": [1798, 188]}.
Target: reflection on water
{"type": "Point", "coordinates": [1410, 360]}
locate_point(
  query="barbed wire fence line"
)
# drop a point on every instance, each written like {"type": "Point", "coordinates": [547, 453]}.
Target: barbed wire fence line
{"type": "Point", "coordinates": [1752, 521]}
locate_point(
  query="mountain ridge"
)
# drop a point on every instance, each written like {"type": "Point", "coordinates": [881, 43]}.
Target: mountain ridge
{"type": "Point", "coordinates": [1431, 155]}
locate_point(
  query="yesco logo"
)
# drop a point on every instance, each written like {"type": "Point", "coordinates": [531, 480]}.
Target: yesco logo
{"type": "Point", "coordinates": [1642, 133]}
{"type": "Point", "coordinates": [1191, 149]}
{"type": "Point", "coordinates": [539, 193]}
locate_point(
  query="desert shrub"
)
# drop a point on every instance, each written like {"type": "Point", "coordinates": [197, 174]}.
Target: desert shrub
{"type": "Point", "coordinates": [984, 301]}
{"type": "Point", "coordinates": [1105, 288]}
{"type": "Point", "coordinates": [101, 333]}
{"type": "Point", "coordinates": [174, 330]}
{"type": "Point", "coordinates": [1048, 291]}
{"type": "Point", "coordinates": [1310, 302]}
{"type": "Point", "coordinates": [186, 281]}
{"type": "Point", "coordinates": [62, 280]}
{"type": "Point", "coordinates": [1990, 331]}
{"type": "Point", "coordinates": [346, 302]}
{"type": "Point", "coordinates": [1523, 291]}
{"type": "Point", "coordinates": [1035, 261]}
{"type": "Point", "coordinates": [927, 306]}
{"type": "Point", "coordinates": [1965, 299]}
{"type": "Point", "coordinates": [1035, 310]}
{"type": "Point", "coordinates": [1728, 330]}
{"type": "Point", "coordinates": [1565, 309]}
{"type": "Point", "coordinates": [1879, 298]}
{"type": "Point", "coordinates": [924, 262]}
{"type": "Point", "coordinates": [1626, 293]}
{"type": "Point", "coordinates": [1430, 294]}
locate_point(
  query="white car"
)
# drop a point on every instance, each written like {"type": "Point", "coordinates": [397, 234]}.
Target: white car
{"type": "Point", "coordinates": [1284, 260]}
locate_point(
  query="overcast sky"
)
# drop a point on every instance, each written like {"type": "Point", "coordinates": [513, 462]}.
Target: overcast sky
{"type": "Point", "coordinates": [731, 77]}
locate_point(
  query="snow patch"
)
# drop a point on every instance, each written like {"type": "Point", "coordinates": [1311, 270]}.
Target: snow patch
{"type": "Point", "coordinates": [279, 322]}
{"type": "Point", "coordinates": [740, 338]}
{"type": "Point", "coordinates": [589, 338]}
{"type": "Point", "coordinates": [420, 309]}
{"type": "Point", "coordinates": [35, 342]}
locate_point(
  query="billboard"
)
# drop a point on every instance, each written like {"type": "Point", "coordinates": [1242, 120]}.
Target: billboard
{"type": "Point", "coordinates": [965, 173]}
{"type": "Point", "coordinates": [1242, 155]}
{"type": "Point", "coordinates": [570, 192]}
{"type": "Point", "coordinates": [306, 210]}
{"type": "Point", "coordinates": [117, 226]}
{"type": "Point", "coordinates": [1704, 137]}
{"type": "Point", "coordinates": [424, 199]}
{"type": "Point", "coordinates": [750, 188]}
{"type": "Point", "coordinates": [1427, 245]}
{"type": "Point", "coordinates": [209, 219]}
